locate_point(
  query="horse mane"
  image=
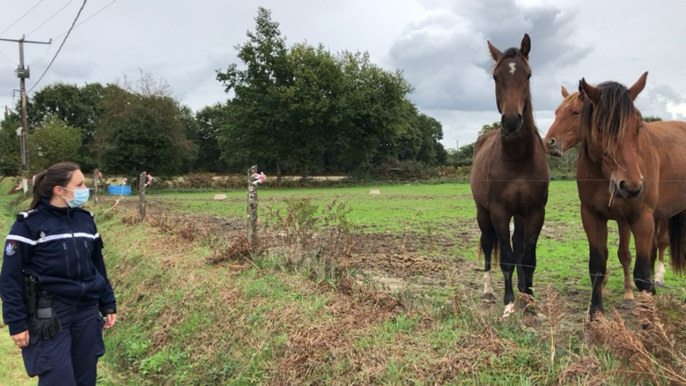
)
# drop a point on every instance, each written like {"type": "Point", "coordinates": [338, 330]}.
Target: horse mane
{"type": "Point", "coordinates": [609, 121]}
{"type": "Point", "coordinates": [528, 115]}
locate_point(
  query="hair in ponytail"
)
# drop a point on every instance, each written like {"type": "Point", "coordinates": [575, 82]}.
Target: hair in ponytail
{"type": "Point", "coordinates": [57, 175]}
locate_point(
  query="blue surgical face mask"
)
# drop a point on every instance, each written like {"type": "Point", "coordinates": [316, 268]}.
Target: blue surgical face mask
{"type": "Point", "coordinates": [80, 197]}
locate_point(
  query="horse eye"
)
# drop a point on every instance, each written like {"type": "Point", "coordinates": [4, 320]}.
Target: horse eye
{"type": "Point", "coordinates": [495, 78]}
{"type": "Point", "coordinates": [528, 77]}
{"type": "Point", "coordinates": [575, 113]}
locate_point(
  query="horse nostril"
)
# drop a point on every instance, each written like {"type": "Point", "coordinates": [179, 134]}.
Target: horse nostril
{"type": "Point", "coordinates": [622, 185]}
{"type": "Point", "coordinates": [552, 142]}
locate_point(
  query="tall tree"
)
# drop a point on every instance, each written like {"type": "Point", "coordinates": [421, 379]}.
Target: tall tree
{"type": "Point", "coordinates": [142, 130]}
{"type": "Point", "coordinates": [191, 128]}
{"type": "Point", "coordinates": [53, 141]}
{"type": "Point", "coordinates": [257, 131]}
{"type": "Point", "coordinates": [313, 101]}
{"type": "Point", "coordinates": [78, 107]}
{"type": "Point", "coordinates": [210, 120]}
{"type": "Point", "coordinates": [10, 146]}
{"type": "Point", "coordinates": [431, 151]}
{"type": "Point", "coordinates": [374, 107]}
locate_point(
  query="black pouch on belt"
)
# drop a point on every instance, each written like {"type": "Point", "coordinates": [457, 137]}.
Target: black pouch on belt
{"type": "Point", "coordinates": [46, 325]}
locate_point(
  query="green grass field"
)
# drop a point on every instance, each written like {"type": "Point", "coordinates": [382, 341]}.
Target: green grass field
{"type": "Point", "coordinates": [446, 209]}
{"type": "Point", "coordinates": [184, 321]}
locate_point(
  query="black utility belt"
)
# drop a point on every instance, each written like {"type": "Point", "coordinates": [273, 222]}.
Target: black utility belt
{"type": "Point", "coordinates": [39, 305]}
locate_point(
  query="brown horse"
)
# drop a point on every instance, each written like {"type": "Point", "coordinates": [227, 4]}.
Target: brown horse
{"type": "Point", "coordinates": [564, 134]}
{"type": "Point", "coordinates": [645, 185]}
{"type": "Point", "coordinates": [510, 177]}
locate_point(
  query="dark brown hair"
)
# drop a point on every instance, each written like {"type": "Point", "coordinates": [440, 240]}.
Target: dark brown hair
{"type": "Point", "coordinates": [57, 175]}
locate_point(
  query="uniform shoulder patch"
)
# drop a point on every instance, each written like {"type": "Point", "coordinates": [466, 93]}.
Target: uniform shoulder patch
{"type": "Point", "coordinates": [10, 248]}
{"type": "Point", "coordinates": [23, 215]}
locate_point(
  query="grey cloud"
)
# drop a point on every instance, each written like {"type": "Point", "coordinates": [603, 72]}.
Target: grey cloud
{"type": "Point", "coordinates": [666, 93]}
{"type": "Point", "coordinates": [445, 55]}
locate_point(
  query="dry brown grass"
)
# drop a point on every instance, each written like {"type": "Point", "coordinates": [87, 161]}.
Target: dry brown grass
{"type": "Point", "coordinates": [310, 346]}
{"type": "Point", "coordinates": [552, 309]}
{"type": "Point", "coordinates": [654, 351]}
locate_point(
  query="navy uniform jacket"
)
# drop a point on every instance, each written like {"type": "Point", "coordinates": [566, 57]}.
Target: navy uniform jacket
{"type": "Point", "coordinates": [61, 247]}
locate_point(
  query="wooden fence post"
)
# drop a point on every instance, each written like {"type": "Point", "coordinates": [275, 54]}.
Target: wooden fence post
{"type": "Point", "coordinates": [252, 207]}
{"type": "Point", "coordinates": [141, 194]}
{"type": "Point", "coordinates": [96, 199]}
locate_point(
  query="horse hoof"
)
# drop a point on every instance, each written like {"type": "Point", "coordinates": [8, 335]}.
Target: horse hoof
{"type": "Point", "coordinates": [596, 314]}
{"type": "Point", "coordinates": [509, 310]}
{"type": "Point", "coordinates": [627, 304]}
{"type": "Point", "coordinates": [488, 298]}
{"type": "Point", "coordinates": [530, 310]}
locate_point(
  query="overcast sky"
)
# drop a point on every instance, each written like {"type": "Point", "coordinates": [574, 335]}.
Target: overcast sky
{"type": "Point", "coordinates": [440, 45]}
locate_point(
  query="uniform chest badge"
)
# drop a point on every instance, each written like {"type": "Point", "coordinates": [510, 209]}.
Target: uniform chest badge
{"type": "Point", "coordinates": [42, 234]}
{"type": "Point", "coordinates": [10, 248]}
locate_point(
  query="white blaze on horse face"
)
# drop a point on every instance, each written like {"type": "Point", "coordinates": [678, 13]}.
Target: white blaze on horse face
{"type": "Point", "coordinates": [513, 68]}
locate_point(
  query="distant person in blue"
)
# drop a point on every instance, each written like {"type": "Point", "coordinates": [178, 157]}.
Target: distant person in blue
{"type": "Point", "coordinates": [56, 297]}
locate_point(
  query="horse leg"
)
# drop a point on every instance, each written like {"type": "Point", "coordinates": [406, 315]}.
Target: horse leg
{"type": "Point", "coordinates": [487, 242]}
{"type": "Point", "coordinates": [534, 224]}
{"type": "Point", "coordinates": [500, 219]}
{"type": "Point", "coordinates": [662, 244]}
{"type": "Point", "coordinates": [518, 247]}
{"type": "Point", "coordinates": [624, 255]}
{"type": "Point", "coordinates": [644, 237]}
{"type": "Point", "coordinates": [595, 226]}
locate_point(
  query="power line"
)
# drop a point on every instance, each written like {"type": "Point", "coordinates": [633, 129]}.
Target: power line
{"type": "Point", "coordinates": [7, 59]}
{"type": "Point", "coordinates": [89, 17]}
{"type": "Point", "coordinates": [50, 18]}
{"type": "Point", "coordinates": [61, 45]}
{"type": "Point", "coordinates": [43, 58]}
{"type": "Point", "coordinates": [22, 16]}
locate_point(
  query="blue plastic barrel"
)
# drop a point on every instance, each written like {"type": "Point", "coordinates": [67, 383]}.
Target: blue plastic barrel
{"type": "Point", "coordinates": [119, 190]}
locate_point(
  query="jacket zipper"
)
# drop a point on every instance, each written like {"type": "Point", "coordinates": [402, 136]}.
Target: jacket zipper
{"type": "Point", "coordinates": [76, 248]}
{"type": "Point", "coordinates": [66, 256]}
{"type": "Point", "coordinates": [89, 264]}
{"type": "Point", "coordinates": [78, 261]}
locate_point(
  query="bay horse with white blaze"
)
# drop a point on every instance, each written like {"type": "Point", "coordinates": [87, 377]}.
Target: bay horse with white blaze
{"type": "Point", "coordinates": [564, 134]}
{"type": "Point", "coordinates": [646, 172]}
{"type": "Point", "coordinates": [510, 177]}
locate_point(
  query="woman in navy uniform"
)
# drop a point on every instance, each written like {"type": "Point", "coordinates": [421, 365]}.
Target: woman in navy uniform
{"type": "Point", "coordinates": [54, 284]}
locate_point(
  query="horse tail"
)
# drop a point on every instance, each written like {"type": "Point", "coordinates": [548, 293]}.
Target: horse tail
{"type": "Point", "coordinates": [677, 242]}
{"type": "Point", "coordinates": [495, 253]}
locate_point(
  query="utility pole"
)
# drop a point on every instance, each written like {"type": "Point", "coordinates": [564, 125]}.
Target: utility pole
{"type": "Point", "coordinates": [24, 73]}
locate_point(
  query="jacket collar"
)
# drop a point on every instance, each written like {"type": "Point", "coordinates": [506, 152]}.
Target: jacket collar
{"type": "Point", "coordinates": [57, 211]}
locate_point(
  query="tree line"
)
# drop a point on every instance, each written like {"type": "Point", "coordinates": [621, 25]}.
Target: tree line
{"type": "Point", "coordinates": [297, 109]}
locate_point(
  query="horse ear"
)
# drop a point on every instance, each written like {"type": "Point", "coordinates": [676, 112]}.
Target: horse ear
{"type": "Point", "coordinates": [526, 46]}
{"type": "Point", "coordinates": [589, 91]}
{"type": "Point", "coordinates": [638, 86]}
{"type": "Point", "coordinates": [565, 93]}
{"type": "Point", "coordinates": [495, 53]}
